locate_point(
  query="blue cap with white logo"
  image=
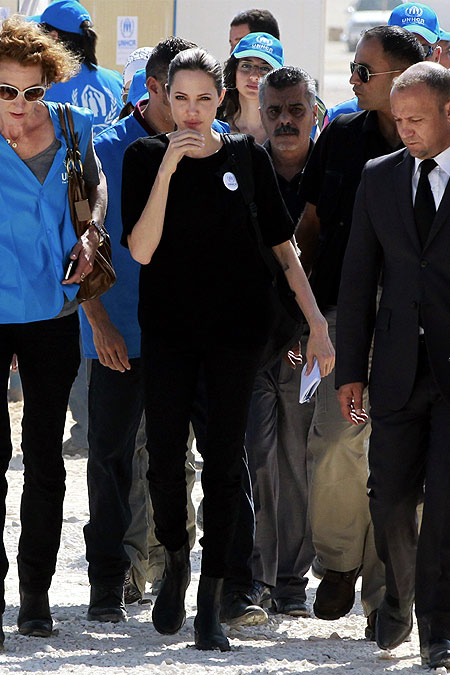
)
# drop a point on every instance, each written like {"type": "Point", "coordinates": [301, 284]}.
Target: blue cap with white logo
{"type": "Point", "coordinates": [261, 45]}
{"type": "Point", "coordinates": [416, 18]}
{"type": "Point", "coordinates": [138, 87]}
{"type": "Point", "coordinates": [67, 15]}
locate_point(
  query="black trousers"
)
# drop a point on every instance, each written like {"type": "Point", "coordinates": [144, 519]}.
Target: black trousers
{"type": "Point", "coordinates": [49, 356]}
{"type": "Point", "coordinates": [171, 373]}
{"type": "Point", "coordinates": [240, 565]}
{"type": "Point", "coordinates": [410, 447]}
{"type": "Point", "coordinates": [116, 404]}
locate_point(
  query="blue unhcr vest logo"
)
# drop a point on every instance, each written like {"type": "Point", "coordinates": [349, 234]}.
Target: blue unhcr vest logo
{"type": "Point", "coordinates": [102, 103]}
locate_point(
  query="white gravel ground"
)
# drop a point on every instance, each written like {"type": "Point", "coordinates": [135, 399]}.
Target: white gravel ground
{"type": "Point", "coordinates": [284, 645]}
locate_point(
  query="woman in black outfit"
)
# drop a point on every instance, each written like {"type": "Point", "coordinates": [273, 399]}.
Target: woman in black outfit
{"type": "Point", "coordinates": [203, 302]}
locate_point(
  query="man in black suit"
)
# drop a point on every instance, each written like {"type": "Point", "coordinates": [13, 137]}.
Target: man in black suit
{"type": "Point", "coordinates": [339, 508]}
{"type": "Point", "coordinates": [401, 227]}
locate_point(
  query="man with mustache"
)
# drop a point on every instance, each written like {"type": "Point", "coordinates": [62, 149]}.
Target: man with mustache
{"type": "Point", "coordinates": [276, 438]}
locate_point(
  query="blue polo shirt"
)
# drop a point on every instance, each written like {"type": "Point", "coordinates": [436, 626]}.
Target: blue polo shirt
{"type": "Point", "coordinates": [99, 90]}
{"type": "Point", "coordinates": [36, 231]}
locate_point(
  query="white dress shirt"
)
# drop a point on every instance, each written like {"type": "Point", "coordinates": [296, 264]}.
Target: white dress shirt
{"type": "Point", "coordinates": [438, 177]}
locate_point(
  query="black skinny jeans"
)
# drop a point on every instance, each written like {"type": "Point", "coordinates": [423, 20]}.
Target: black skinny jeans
{"type": "Point", "coordinates": [49, 355]}
{"type": "Point", "coordinates": [170, 378]}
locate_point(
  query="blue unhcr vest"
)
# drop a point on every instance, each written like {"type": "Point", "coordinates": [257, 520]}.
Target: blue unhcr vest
{"type": "Point", "coordinates": [36, 232]}
{"type": "Point", "coordinates": [99, 90]}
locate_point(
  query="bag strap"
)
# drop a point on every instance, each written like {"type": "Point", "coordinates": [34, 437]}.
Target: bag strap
{"type": "Point", "coordinates": [73, 160]}
{"type": "Point", "coordinates": [239, 153]}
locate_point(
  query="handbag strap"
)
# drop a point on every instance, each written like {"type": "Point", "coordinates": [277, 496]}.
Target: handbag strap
{"type": "Point", "coordinates": [238, 149]}
{"type": "Point", "coordinates": [73, 160]}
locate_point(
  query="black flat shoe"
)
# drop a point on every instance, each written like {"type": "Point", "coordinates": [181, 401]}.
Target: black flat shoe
{"type": "Point", "coordinates": [34, 614]}
{"type": "Point", "coordinates": [335, 595]}
{"type": "Point", "coordinates": [237, 610]}
{"type": "Point", "coordinates": [393, 623]}
{"type": "Point", "coordinates": [439, 653]}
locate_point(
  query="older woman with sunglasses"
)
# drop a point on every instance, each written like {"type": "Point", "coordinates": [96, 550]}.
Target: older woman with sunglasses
{"type": "Point", "coordinates": [252, 58]}
{"type": "Point", "coordinates": [38, 317]}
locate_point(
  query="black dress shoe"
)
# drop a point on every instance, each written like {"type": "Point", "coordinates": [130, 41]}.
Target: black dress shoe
{"type": "Point", "coordinates": [34, 614]}
{"type": "Point", "coordinates": [335, 594]}
{"type": "Point", "coordinates": [237, 610]}
{"type": "Point", "coordinates": [394, 622]}
{"type": "Point", "coordinates": [439, 653]}
{"type": "Point", "coordinates": [106, 604]}
{"type": "Point", "coordinates": [291, 607]}
{"type": "Point", "coordinates": [208, 632]}
{"type": "Point", "coordinates": [169, 613]}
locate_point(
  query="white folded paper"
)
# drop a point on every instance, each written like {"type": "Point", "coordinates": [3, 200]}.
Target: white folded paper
{"type": "Point", "coordinates": [309, 383]}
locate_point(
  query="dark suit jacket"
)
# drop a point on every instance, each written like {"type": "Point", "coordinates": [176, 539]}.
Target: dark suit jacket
{"type": "Point", "coordinates": [415, 281]}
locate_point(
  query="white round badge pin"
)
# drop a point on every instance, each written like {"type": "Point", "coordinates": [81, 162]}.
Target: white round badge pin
{"type": "Point", "coordinates": [230, 181]}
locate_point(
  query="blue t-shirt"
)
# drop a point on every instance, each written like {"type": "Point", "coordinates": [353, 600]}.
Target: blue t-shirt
{"type": "Point", "coordinates": [99, 90]}
{"type": "Point", "coordinates": [343, 108]}
{"type": "Point", "coordinates": [121, 301]}
{"type": "Point", "coordinates": [36, 231]}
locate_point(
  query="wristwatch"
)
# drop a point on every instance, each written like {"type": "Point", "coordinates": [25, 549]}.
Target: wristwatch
{"type": "Point", "coordinates": [102, 233]}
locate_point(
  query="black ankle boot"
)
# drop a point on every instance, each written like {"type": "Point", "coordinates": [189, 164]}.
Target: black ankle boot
{"type": "Point", "coordinates": [34, 614]}
{"type": "Point", "coordinates": [209, 633]}
{"type": "Point", "coordinates": [106, 604]}
{"type": "Point", "coordinates": [168, 612]}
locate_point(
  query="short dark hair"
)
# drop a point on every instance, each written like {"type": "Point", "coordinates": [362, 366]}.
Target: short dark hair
{"type": "Point", "coordinates": [259, 21]}
{"type": "Point", "coordinates": [161, 56]}
{"type": "Point", "coordinates": [285, 77]}
{"type": "Point", "coordinates": [196, 59]}
{"type": "Point", "coordinates": [433, 75]}
{"type": "Point", "coordinates": [400, 45]}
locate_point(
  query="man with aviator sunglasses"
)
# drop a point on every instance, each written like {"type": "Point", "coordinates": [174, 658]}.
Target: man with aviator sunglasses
{"type": "Point", "coordinates": [423, 23]}
{"type": "Point", "coordinates": [339, 507]}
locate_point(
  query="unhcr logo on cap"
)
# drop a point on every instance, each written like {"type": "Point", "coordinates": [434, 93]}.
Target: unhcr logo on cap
{"type": "Point", "coordinates": [264, 40]}
{"type": "Point", "coordinates": [262, 48]}
{"type": "Point", "coordinates": [414, 11]}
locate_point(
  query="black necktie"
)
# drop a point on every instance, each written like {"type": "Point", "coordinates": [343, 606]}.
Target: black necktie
{"type": "Point", "coordinates": [424, 206]}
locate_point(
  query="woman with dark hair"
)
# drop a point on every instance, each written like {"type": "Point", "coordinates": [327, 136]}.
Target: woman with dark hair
{"type": "Point", "coordinates": [204, 303]}
{"type": "Point", "coordinates": [42, 264]}
{"type": "Point", "coordinates": [252, 58]}
{"type": "Point", "coordinates": [94, 87]}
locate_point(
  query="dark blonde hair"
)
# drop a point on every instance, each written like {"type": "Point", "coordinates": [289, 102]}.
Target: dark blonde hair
{"type": "Point", "coordinates": [25, 42]}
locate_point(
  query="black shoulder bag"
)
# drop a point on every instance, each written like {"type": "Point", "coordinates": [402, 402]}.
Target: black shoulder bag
{"type": "Point", "coordinates": [288, 320]}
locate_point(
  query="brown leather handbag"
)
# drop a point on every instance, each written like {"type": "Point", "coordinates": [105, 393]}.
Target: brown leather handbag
{"type": "Point", "coordinates": [103, 275]}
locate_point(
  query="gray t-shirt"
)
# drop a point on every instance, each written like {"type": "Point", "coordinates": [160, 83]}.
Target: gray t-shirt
{"type": "Point", "coordinates": [40, 165]}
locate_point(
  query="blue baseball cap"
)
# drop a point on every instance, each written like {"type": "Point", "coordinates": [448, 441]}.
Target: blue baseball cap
{"type": "Point", "coordinates": [67, 15]}
{"type": "Point", "coordinates": [444, 35]}
{"type": "Point", "coordinates": [416, 18]}
{"type": "Point", "coordinates": [261, 45]}
{"type": "Point", "coordinates": [138, 88]}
